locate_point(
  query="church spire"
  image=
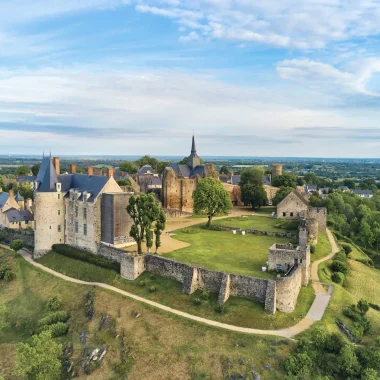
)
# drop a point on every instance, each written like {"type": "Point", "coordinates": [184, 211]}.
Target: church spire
{"type": "Point", "coordinates": [193, 161]}
{"type": "Point", "coordinates": [193, 149]}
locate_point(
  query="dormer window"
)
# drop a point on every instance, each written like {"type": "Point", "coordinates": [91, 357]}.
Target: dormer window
{"type": "Point", "coordinates": [58, 186]}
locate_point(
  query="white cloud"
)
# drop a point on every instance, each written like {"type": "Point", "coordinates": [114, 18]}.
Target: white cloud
{"type": "Point", "coordinates": [323, 74]}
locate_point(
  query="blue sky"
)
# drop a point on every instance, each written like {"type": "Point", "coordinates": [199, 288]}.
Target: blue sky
{"type": "Point", "coordinates": [282, 78]}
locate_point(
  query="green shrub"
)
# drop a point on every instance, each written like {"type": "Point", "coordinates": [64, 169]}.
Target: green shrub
{"type": "Point", "coordinates": [142, 283]}
{"type": "Point", "coordinates": [205, 295]}
{"type": "Point", "coordinates": [338, 277]}
{"type": "Point", "coordinates": [338, 266]}
{"type": "Point", "coordinates": [347, 249]}
{"type": "Point", "coordinates": [152, 276]}
{"type": "Point", "coordinates": [58, 316]}
{"type": "Point", "coordinates": [54, 303]}
{"type": "Point", "coordinates": [312, 249]}
{"type": "Point", "coordinates": [57, 329]}
{"type": "Point", "coordinates": [16, 245]}
{"type": "Point", "coordinates": [220, 309]}
{"type": "Point", "coordinates": [4, 268]}
{"type": "Point", "coordinates": [152, 288]}
{"type": "Point", "coordinates": [197, 301]}
{"type": "Point", "coordinates": [357, 330]}
{"type": "Point", "coordinates": [2, 235]}
{"type": "Point", "coordinates": [374, 306]}
{"type": "Point", "coordinates": [340, 256]}
{"type": "Point", "coordinates": [77, 254]}
{"type": "Point", "coordinates": [9, 276]}
{"type": "Point", "coordinates": [362, 306]}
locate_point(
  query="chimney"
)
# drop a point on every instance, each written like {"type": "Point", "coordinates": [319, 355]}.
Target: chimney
{"type": "Point", "coordinates": [109, 172]}
{"type": "Point", "coordinates": [56, 163]}
{"type": "Point", "coordinates": [122, 174]}
{"type": "Point", "coordinates": [11, 193]}
{"type": "Point", "coordinates": [90, 170]}
{"type": "Point", "coordinates": [73, 168]}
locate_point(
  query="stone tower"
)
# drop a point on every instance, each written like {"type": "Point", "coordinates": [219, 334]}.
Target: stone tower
{"type": "Point", "coordinates": [276, 170]}
{"type": "Point", "coordinates": [193, 160]}
{"type": "Point", "coordinates": [48, 209]}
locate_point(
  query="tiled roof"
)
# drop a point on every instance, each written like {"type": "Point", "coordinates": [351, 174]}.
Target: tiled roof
{"type": "Point", "coordinates": [18, 197]}
{"type": "Point", "coordinates": [3, 198]}
{"type": "Point", "coordinates": [363, 192]}
{"type": "Point", "coordinates": [235, 179]}
{"type": "Point", "coordinates": [146, 169]}
{"type": "Point", "coordinates": [18, 215]}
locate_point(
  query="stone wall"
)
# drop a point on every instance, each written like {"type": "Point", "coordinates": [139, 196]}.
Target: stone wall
{"type": "Point", "coordinates": [287, 290]}
{"type": "Point", "coordinates": [312, 228]}
{"type": "Point", "coordinates": [111, 253]}
{"type": "Point", "coordinates": [26, 236]}
{"type": "Point", "coordinates": [176, 213]}
{"type": "Point", "coordinates": [291, 235]}
{"type": "Point", "coordinates": [270, 297]}
{"type": "Point", "coordinates": [320, 215]}
{"type": "Point", "coordinates": [291, 207]}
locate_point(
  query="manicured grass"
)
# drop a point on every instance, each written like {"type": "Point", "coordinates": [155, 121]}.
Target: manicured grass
{"type": "Point", "coordinates": [239, 311]}
{"type": "Point", "coordinates": [265, 210]}
{"type": "Point", "coordinates": [223, 251]}
{"type": "Point", "coordinates": [323, 247]}
{"type": "Point", "coordinates": [162, 346]}
{"type": "Point", "coordinates": [259, 223]}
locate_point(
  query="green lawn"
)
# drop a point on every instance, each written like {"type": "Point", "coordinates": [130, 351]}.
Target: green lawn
{"type": "Point", "coordinates": [323, 247]}
{"type": "Point", "coordinates": [160, 345]}
{"type": "Point", "coordinates": [265, 210]}
{"type": "Point", "coordinates": [239, 311]}
{"type": "Point", "coordinates": [259, 223]}
{"type": "Point", "coordinates": [223, 251]}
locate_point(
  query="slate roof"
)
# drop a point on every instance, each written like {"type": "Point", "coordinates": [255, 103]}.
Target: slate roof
{"type": "Point", "coordinates": [343, 188]}
{"type": "Point", "coordinates": [14, 215]}
{"type": "Point", "coordinates": [310, 187]}
{"type": "Point", "coordinates": [298, 195]}
{"type": "Point", "coordinates": [18, 197]}
{"type": "Point", "coordinates": [118, 174]}
{"type": "Point", "coordinates": [224, 178]}
{"type": "Point", "coordinates": [146, 169]}
{"type": "Point", "coordinates": [183, 170]}
{"type": "Point", "coordinates": [267, 179]}
{"type": "Point", "coordinates": [362, 192]}
{"type": "Point", "coordinates": [47, 176]}
{"type": "Point", "coordinates": [26, 178]}
{"type": "Point", "coordinates": [235, 179]}
{"type": "Point", "coordinates": [155, 181]}
{"type": "Point", "coordinates": [3, 198]}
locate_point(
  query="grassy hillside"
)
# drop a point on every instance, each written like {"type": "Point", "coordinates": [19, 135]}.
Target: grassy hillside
{"type": "Point", "coordinates": [159, 345]}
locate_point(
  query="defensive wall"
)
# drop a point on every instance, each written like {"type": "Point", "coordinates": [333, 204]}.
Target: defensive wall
{"type": "Point", "coordinates": [291, 235]}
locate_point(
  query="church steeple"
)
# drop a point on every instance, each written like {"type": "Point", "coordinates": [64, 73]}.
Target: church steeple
{"type": "Point", "coordinates": [193, 160]}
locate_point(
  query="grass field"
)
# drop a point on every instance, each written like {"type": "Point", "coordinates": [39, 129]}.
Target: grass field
{"type": "Point", "coordinates": [265, 210]}
{"type": "Point", "coordinates": [223, 251]}
{"type": "Point", "coordinates": [323, 247]}
{"type": "Point", "coordinates": [162, 346]}
{"type": "Point", "coordinates": [258, 223]}
{"type": "Point", "coordinates": [239, 311]}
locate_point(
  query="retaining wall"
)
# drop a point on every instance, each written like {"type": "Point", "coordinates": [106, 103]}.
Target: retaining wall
{"type": "Point", "coordinates": [291, 235]}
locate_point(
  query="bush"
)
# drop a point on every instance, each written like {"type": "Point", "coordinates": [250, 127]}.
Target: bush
{"type": "Point", "coordinates": [57, 329]}
{"type": "Point", "coordinates": [338, 277]}
{"type": "Point", "coordinates": [374, 306]}
{"type": "Point", "coordinates": [152, 288]}
{"type": "Point", "coordinates": [312, 249]}
{"type": "Point", "coordinates": [2, 235]}
{"type": "Point", "coordinates": [338, 266]}
{"type": "Point", "coordinates": [54, 303]}
{"type": "Point", "coordinates": [347, 249]}
{"type": "Point", "coordinates": [58, 316]}
{"type": "Point", "coordinates": [16, 245]}
{"type": "Point", "coordinates": [77, 254]}
{"type": "Point", "coordinates": [6, 273]}
{"type": "Point", "coordinates": [362, 306]}
{"type": "Point", "coordinates": [9, 276]}
{"type": "Point", "coordinates": [152, 276]}
{"type": "Point", "coordinates": [142, 283]}
{"type": "Point", "coordinates": [340, 256]}
{"type": "Point", "coordinates": [197, 301]}
{"type": "Point", "coordinates": [205, 295]}
{"type": "Point", "coordinates": [220, 309]}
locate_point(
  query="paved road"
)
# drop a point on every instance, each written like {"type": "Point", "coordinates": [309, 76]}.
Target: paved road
{"type": "Point", "coordinates": [315, 313]}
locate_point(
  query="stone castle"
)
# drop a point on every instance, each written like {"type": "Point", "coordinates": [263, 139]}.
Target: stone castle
{"type": "Point", "coordinates": [81, 210]}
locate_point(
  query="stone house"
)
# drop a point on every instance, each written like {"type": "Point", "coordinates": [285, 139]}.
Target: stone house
{"type": "Point", "coordinates": [363, 193]}
{"type": "Point", "coordinates": [293, 206]}
{"type": "Point", "coordinates": [68, 208]}
{"type": "Point", "coordinates": [12, 211]}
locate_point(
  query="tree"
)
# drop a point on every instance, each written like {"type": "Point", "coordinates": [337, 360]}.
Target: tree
{"type": "Point", "coordinates": [310, 178]}
{"type": "Point", "coordinates": [22, 170]}
{"type": "Point", "coordinates": [210, 198]}
{"type": "Point", "coordinates": [26, 190]}
{"type": "Point", "coordinates": [362, 306]}
{"type": "Point", "coordinates": [281, 194]}
{"type": "Point", "coordinates": [370, 374]}
{"type": "Point", "coordinates": [158, 165]}
{"type": "Point", "coordinates": [349, 183]}
{"type": "Point", "coordinates": [286, 179]}
{"type": "Point", "coordinates": [16, 245]}
{"type": "Point", "coordinates": [36, 168]}
{"type": "Point", "coordinates": [366, 235]}
{"type": "Point", "coordinates": [224, 170]}
{"type": "Point", "coordinates": [144, 211]}
{"type": "Point", "coordinates": [128, 167]}
{"type": "Point", "coordinates": [252, 188]}
{"type": "Point", "coordinates": [160, 226]}
{"type": "Point", "coordinates": [39, 359]}
{"type": "Point", "coordinates": [124, 182]}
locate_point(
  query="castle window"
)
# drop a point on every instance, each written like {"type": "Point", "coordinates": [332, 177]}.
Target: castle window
{"type": "Point", "coordinates": [59, 196]}
{"type": "Point", "coordinates": [300, 261]}
{"type": "Point", "coordinates": [76, 211]}
{"type": "Point", "coordinates": [291, 214]}
{"type": "Point", "coordinates": [59, 228]}
{"type": "Point", "coordinates": [59, 212]}
{"type": "Point", "coordinates": [278, 266]}
{"type": "Point", "coordinates": [284, 214]}
{"type": "Point", "coordinates": [85, 229]}
{"type": "Point", "coordinates": [85, 213]}
{"type": "Point", "coordinates": [76, 227]}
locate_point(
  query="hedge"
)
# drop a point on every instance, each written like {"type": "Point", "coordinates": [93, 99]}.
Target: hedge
{"type": "Point", "coordinates": [87, 257]}
{"type": "Point", "coordinates": [58, 316]}
{"type": "Point", "coordinates": [58, 329]}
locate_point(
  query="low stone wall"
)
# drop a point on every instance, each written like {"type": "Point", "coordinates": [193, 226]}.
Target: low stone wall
{"type": "Point", "coordinates": [27, 237]}
{"type": "Point", "coordinates": [291, 235]}
{"type": "Point", "coordinates": [111, 253]}
{"type": "Point", "coordinates": [176, 213]}
{"type": "Point", "coordinates": [224, 284]}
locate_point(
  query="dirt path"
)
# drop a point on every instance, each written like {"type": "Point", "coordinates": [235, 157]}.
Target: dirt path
{"type": "Point", "coordinates": [315, 313]}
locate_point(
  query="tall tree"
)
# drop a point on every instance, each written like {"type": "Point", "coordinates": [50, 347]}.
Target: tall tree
{"type": "Point", "coordinates": [210, 198]}
{"type": "Point", "coordinates": [252, 188]}
{"type": "Point", "coordinates": [39, 359]}
{"type": "Point", "coordinates": [22, 170]}
{"type": "Point", "coordinates": [286, 180]}
{"type": "Point", "coordinates": [281, 194]}
{"type": "Point", "coordinates": [124, 182]}
{"type": "Point", "coordinates": [144, 211]}
{"type": "Point", "coordinates": [160, 226]}
{"type": "Point", "coordinates": [128, 167]}
{"type": "Point", "coordinates": [224, 170]}
{"type": "Point", "coordinates": [36, 168]}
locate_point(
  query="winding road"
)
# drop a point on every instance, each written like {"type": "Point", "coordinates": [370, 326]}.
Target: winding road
{"type": "Point", "coordinates": [315, 313]}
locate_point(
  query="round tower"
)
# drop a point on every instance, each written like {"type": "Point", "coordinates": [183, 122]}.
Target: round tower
{"type": "Point", "coordinates": [276, 170]}
{"type": "Point", "coordinates": [312, 230]}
